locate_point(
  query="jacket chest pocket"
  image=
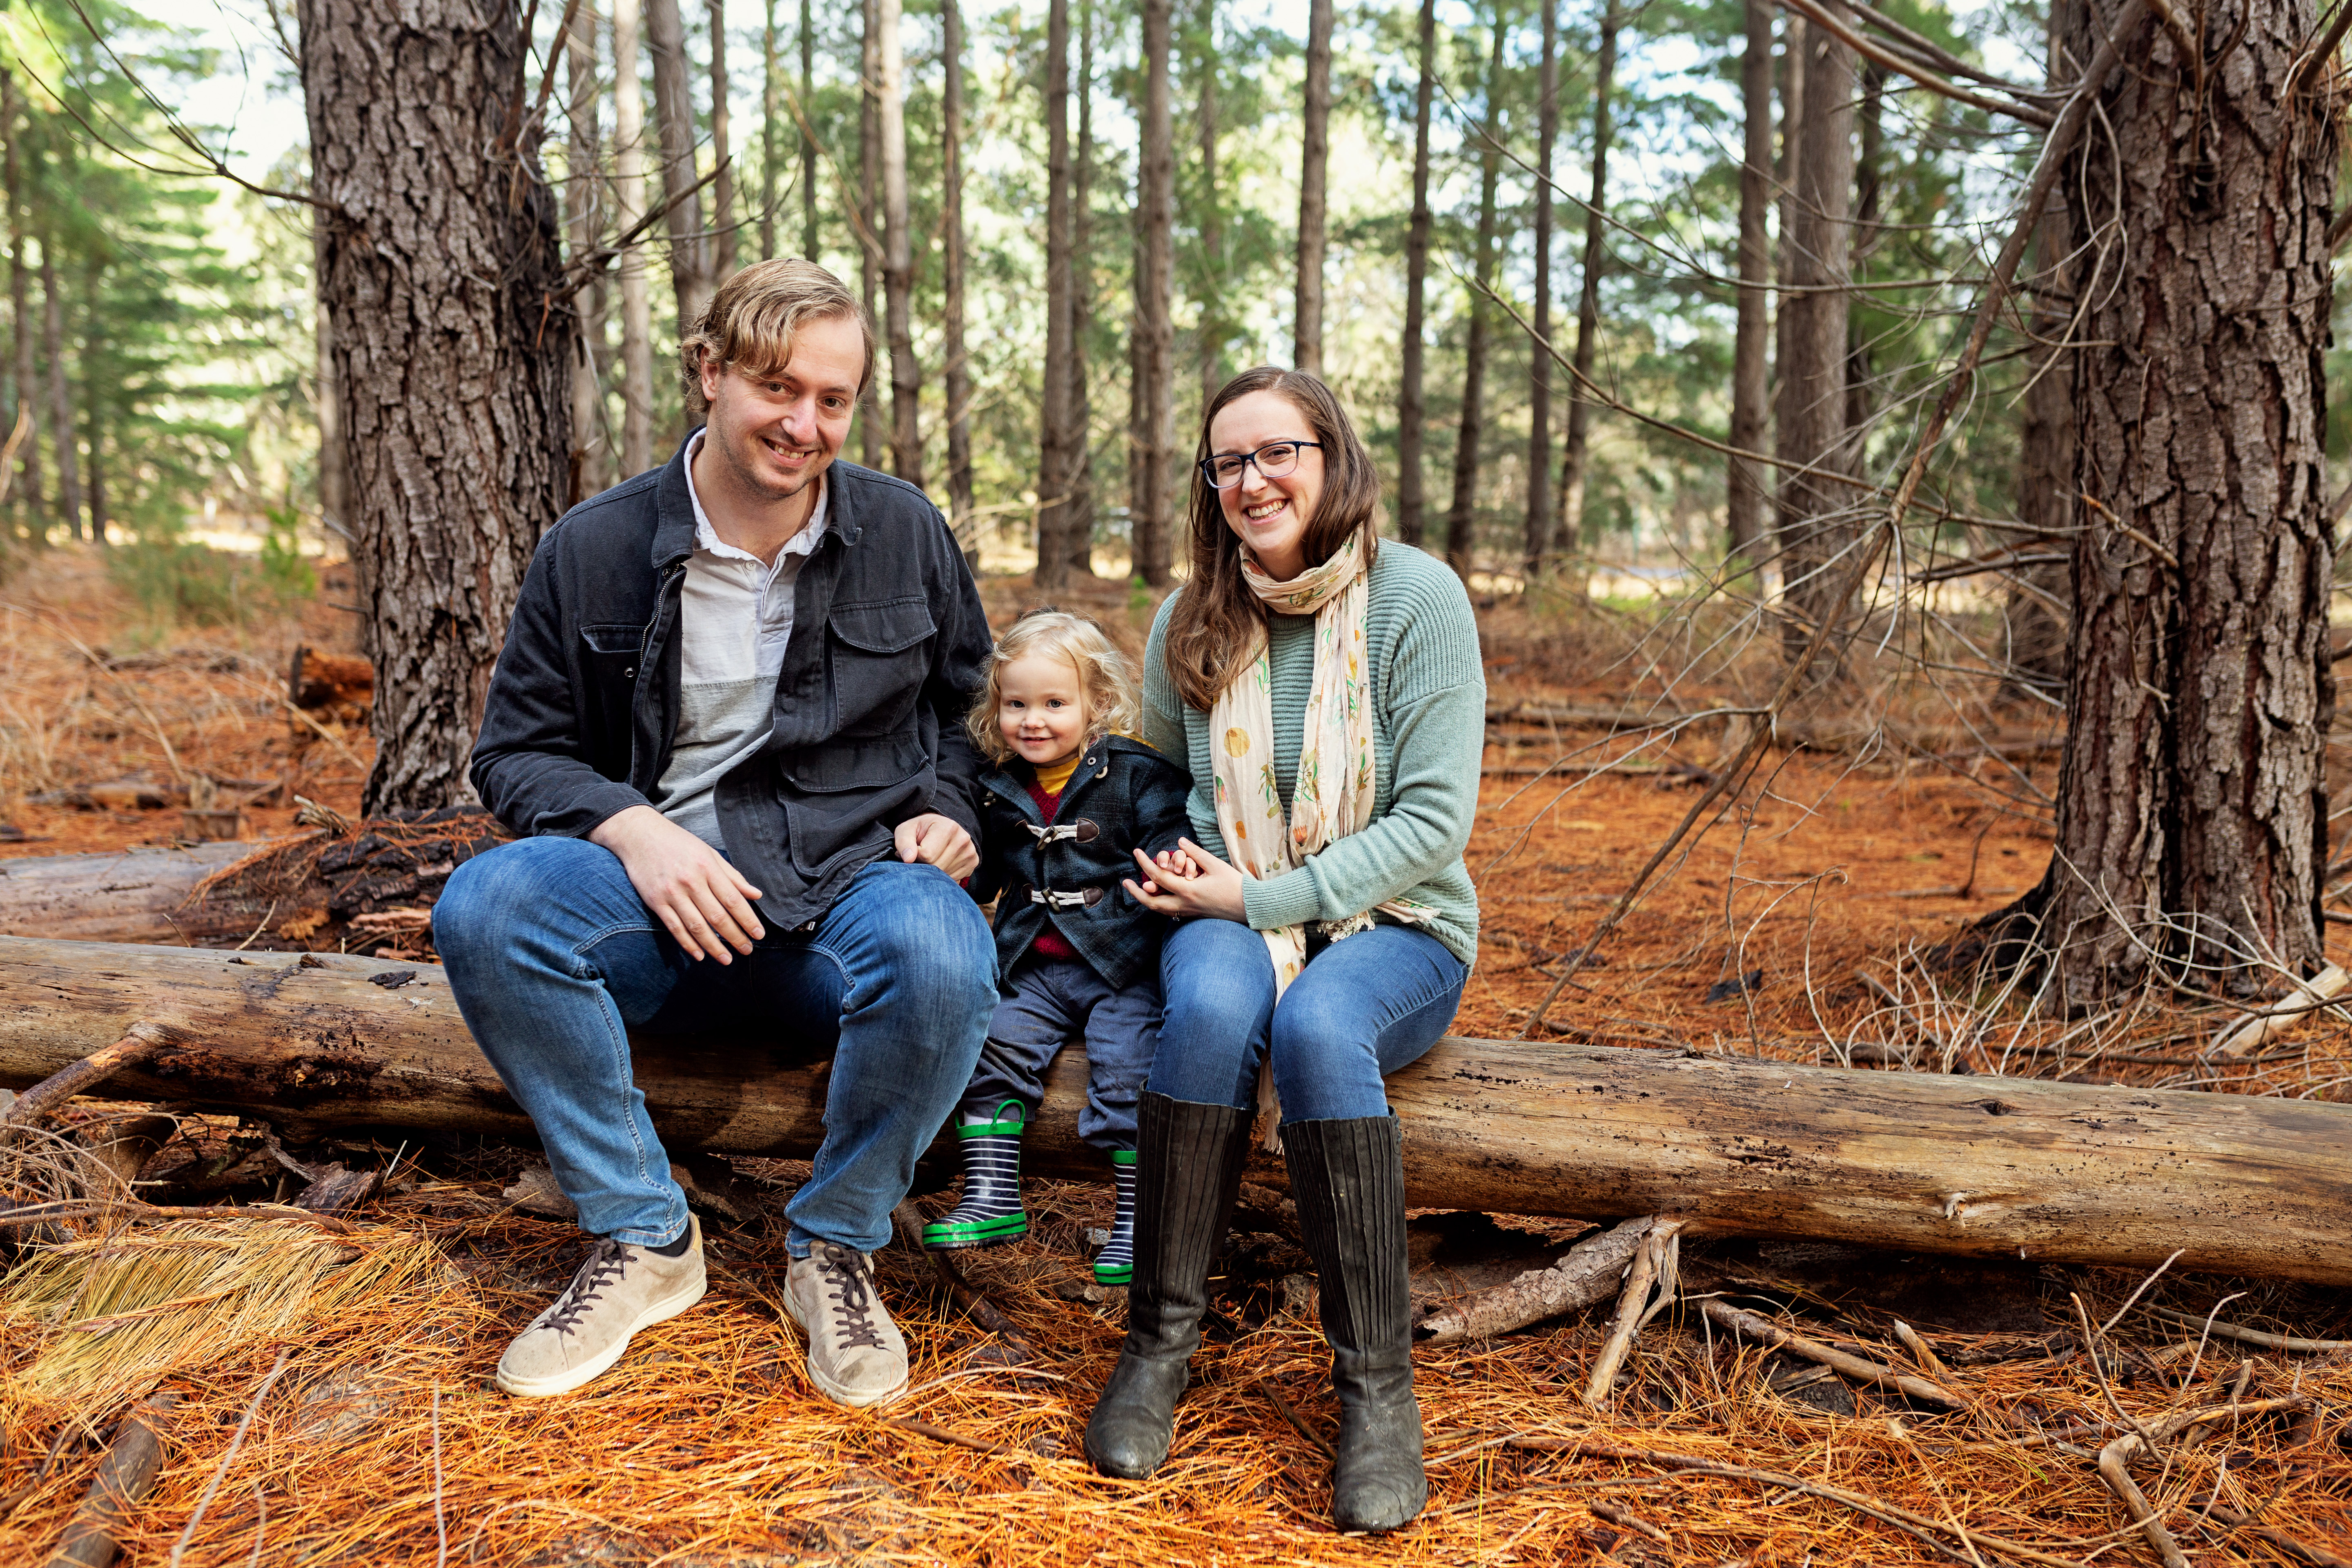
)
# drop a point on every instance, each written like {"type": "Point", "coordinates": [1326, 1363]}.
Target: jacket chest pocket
{"type": "Point", "coordinates": [880, 652]}
{"type": "Point", "coordinates": [608, 657]}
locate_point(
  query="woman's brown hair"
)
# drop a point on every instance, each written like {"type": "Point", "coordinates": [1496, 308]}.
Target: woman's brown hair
{"type": "Point", "coordinates": [1216, 623]}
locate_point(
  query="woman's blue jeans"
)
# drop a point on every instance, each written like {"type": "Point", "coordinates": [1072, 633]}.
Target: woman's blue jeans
{"type": "Point", "coordinates": [553, 958]}
{"type": "Point", "coordinates": [1365, 1007]}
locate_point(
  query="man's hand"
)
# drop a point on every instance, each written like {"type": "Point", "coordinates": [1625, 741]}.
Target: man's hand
{"type": "Point", "coordinates": [939, 841]}
{"type": "Point", "coordinates": [1190, 883]}
{"type": "Point", "coordinates": [699, 896]}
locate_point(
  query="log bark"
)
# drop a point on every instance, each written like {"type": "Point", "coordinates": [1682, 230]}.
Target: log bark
{"type": "Point", "coordinates": [133, 895]}
{"type": "Point", "coordinates": [2068, 1172]}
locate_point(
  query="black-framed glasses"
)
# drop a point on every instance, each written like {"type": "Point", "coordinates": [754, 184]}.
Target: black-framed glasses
{"type": "Point", "coordinates": [1275, 459]}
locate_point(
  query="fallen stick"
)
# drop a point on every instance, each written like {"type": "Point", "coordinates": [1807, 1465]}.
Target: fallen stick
{"type": "Point", "coordinates": [139, 1044]}
{"type": "Point", "coordinates": [1768, 1332]}
{"type": "Point", "coordinates": [2114, 1460]}
{"type": "Point", "coordinates": [973, 1300]}
{"type": "Point", "coordinates": [2068, 1172]}
{"type": "Point", "coordinates": [2261, 1337]}
{"type": "Point", "coordinates": [1579, 1279]}
{"type": "Point", "coordinates": [1632, 1311]}
{"type": "Point", "coordinates": [2293, 1546]}
{"type": "Point", "coordinates": [122, 1479]}
{"type": "Point", "coordinates": [2258, 1031]}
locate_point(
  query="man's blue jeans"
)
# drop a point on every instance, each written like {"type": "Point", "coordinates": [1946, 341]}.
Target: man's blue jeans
{"type": "Point", "coordinates": [1365, 1007]}
{"type": "Point", "coordinates": [553, 957]}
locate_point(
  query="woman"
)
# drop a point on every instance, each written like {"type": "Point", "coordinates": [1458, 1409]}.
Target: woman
{"type": "Point", "coordinates": [1324, 691]}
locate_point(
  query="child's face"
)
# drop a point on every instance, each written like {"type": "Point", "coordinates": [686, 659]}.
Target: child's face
{"type": "Point", "coordinates": [1041, 710]}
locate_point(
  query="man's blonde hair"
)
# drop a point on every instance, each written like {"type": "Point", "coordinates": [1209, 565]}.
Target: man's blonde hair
{"type": "Point", "coordinates": [1105, 678]}
{"type": "Point", "coordinates": [752, 321]}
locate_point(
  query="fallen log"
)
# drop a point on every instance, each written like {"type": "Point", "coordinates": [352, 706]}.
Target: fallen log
{"type": "Point", "coordinates": [130, 895]}
{"type": "Point", "coordinates": [2075, 1172]}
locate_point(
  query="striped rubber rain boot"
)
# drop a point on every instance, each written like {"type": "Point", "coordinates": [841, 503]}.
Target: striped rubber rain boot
{"type": "Point", "coordinates": [991, 1210]}
{"type": "Point", "coordinates": [1115, 1264]}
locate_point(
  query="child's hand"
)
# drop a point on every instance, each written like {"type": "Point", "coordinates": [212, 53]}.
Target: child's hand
{"type": "Point", "coordinates": [1177, 865]}
{"type": "Point", "coordinates": [1209, 887]}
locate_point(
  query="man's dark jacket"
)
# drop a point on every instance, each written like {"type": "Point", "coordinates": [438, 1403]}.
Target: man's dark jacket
{"type": "Point", "coordinates": [888, 642]}
{"type": "Point", "coordinates": [1123, 796]}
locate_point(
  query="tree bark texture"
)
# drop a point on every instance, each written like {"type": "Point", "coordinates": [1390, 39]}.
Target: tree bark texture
{"type": "Point", "coordinates": [723, 216]}
{"type": "Point", "coordinates": [1306, 329]}
{"type": "Point", "coordinates": [136, 895]}
{"type": "Point", "coordinates": [1870, 126]}
{"type": "Point", "coordinates": [1749, 493]}
{"type": "Point", "coordinates": [326, 402]}
{"type": "Point", "coordinates": [955, 369]}
{"type": "Point", "coordinates": [1461, 516]}
{"type": "Point", "coordinates": [1078, 515]}
{"type": "Point", "coordinates": [1153, 464]}
{"type": "Point", "coordinates": [2065, 1173]}
{"type": "Point", "coordinates": [1211, 333]}
{"type": "Point", "coordinates": [454, 356]}
{"type": "Point", "coordinates": [23, 376]}
{"type": "Point", "coordinates": [1815, 519]}
{"type": "Point", "coordinates": [807, 136]}
{"type": "Point", "coordinates": [1056, 454]}
{"type": "Point", "coordinates": [93, 399]}
{"type": "Point", "coordinates": [771, 105]}
{"type": "Point", "coordinates": [582, 218]}
{"type": "Point", "coordinates": [2038, 623]}
{"type": "Point", "coordinates": [60, 398]}
{"type": "Point", "coordinates": [1539, 520]}
{"type": "Point", "coordinates": [1411, 415]}
{"type": "Point", "coordinates": [2191, 806]}
{"type": "Point", "coordinates": [899, 252]}
{"type": "Point", "coordinates": [689, 245]}
{"type": "Point", "coordinates": [1588, 300]}
{"type": "Point", "coordinates": [868, 225]}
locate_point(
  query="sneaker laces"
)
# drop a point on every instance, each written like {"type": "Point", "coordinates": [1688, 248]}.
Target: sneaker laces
{"type": "Point", "coordinates": [605, 1262]}
{"type": "Point", "coordinates": [853, 1296]}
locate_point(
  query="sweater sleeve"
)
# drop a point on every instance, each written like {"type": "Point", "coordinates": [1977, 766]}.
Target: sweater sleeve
{"type": "Point", "coordinates": [1435, 701]}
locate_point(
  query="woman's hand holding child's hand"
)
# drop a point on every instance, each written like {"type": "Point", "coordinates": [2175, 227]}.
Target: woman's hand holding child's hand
{"type": "Point", "coordinates": [1189, 883]}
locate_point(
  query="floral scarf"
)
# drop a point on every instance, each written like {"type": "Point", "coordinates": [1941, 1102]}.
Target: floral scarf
{"type": "Point", "coordinates": [1334, 790]}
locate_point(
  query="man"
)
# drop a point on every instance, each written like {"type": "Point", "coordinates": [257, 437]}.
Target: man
{"type": "Point", "coordinates": [726, 724]}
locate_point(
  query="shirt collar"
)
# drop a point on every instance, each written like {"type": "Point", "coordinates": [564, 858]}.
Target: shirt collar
{"type": "Point", "coordinates": [706, 538]}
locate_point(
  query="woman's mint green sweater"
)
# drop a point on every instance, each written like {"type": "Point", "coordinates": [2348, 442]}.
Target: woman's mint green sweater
{"type": "Point", "coordinates": [1429, 708]}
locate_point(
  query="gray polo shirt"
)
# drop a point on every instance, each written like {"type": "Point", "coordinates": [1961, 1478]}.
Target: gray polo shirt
{"type": "Point", "coordinates": [735, 619]}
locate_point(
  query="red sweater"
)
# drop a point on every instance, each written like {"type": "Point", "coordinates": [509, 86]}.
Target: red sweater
{"type": "Point", "coordinates": [1049, 943]}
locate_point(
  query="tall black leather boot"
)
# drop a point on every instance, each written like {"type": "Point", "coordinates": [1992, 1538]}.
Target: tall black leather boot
{"type": "Point", "coordinates": [1188, 1160]}
{"type": "Point", "coordinates": [1348, 1179]}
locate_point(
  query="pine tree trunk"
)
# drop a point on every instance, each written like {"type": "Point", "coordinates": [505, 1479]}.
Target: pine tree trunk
{"type": "Point", "coordinates": [1814, 519]}
{"type": "Point", "coordinates": [60, 401]}
{"type": "Point", "coordinates": [899, 253]}
{"type": "Point", "coordinates": [1151, 467]}
{"type": "Point", "coordinates": [1210, 346]}
{"type": "Point", "coordinates": [808, 139]}
{"type": "Point", "coordinates": [2191, 806]}
{"type": "Point", "coordinates": [868, 226]}
{"type": "Point", "coordinates": [771, 105]}
{"type": "Point", "coordinates": [1749, 493]}
{"type": "Point", "coordinates": [956, 370]}
{"type": "Point", "coordinates": [581, 219]}
{"type": "Point", "coordinates": [1861, 396]}
{"type": "Point", "coordinates": [1793, 119]}
{"type": "Point", "coordinates": [690, 246]}
{"type": "Point", "coordinates": [1588, 301]}
{"type": "Point", "coordinates": [326, 402]}
{"type": "Point", "coordinates": [24, 392]}
{"type": "Point", "coordinates": [1079, 519]}
{"type": "Point", "coordinates": [723, 247]}
{"type": "Point", "coordinates": [1539, 520]}
{"type": "Point", "coordinates": [2036, 622]}
{"type": "Point", "coordinates": [444, 275]}
{"type": "Point", "coordinates": [629, 204]}
{"type": "Point", "coordinates": [93, 398]}
{"type": "Point", "coordinates": [1056, 466]}
{"type": "Point", "coordinates": [1461, 518]}
{"type": "Point", "coordinates": [1411, 415]}
{"type": "Point", "coordinates": [1306, 330]}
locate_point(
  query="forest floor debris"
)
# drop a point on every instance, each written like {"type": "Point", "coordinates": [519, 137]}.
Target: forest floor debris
{"type": "Point", "coordinates": [1795, 930]}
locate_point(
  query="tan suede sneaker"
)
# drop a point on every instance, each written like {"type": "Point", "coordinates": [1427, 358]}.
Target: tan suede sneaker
{"type": "Point", "coordinates": [855, 1355]}
{"type": "Point", "coordinates": [619, 1289]}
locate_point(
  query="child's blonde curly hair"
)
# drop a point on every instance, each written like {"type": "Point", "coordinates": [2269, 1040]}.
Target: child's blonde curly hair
{"type": "Point", "coordinates": [1107, 679]}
